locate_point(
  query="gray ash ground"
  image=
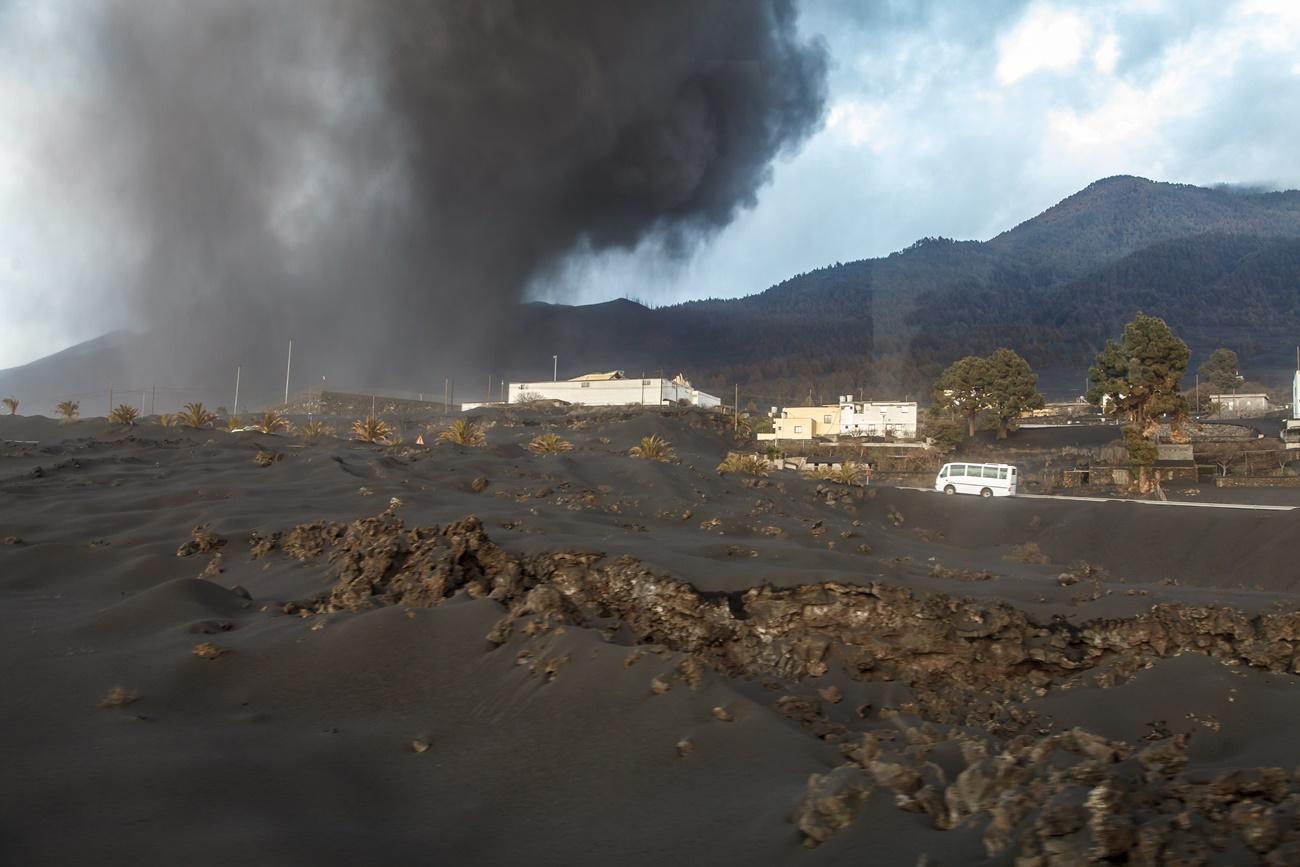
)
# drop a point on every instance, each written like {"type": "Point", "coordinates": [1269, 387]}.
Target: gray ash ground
{"type": "Point", "coordinates": [479, 655]}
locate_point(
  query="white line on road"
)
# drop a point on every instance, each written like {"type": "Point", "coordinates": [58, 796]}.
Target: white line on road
{"type": "Point", "coordinates": [1252, 506]}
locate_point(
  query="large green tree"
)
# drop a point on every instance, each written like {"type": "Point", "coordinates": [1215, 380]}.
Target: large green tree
{"type": "Point", "coordinates": [1220, 369]}
{"type": "Point", "coordinates": [1139, 375]}
{"type": "Point", "coordinates": [1012, 388]}
{"type": "Point", "coordinates": [963, 387]}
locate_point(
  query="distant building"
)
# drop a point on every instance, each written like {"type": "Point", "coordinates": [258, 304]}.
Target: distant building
{"type": "Point", "coordinates": [1240, 405]}
{"type": "Point", "coordinates": [877, 418]}
{"type": "Point", "coordinates": [613, 388]}
{"type": "Point", "coordinates": [805, 422]}
{"type": "Point", "coordinates": [847, 418]}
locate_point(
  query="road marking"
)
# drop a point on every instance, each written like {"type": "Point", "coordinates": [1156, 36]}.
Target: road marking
{"type": "Point", "coordinates": [1249, 506]}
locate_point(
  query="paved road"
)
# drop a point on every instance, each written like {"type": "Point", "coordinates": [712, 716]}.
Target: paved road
{"type": "Point", "coordinates": [1181, 503]}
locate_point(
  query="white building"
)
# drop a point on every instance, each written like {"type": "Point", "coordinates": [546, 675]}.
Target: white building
{"type": "Point", "coordinates": [877, 418]}
{"type": "Point", "coordinates": [614, 389]}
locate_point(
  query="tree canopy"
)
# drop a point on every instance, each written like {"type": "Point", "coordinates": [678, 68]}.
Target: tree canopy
{"type": "Point", "coordinates": [1002, 384]}
{"type": "Point", "coordinates": [964, 387]}
{"type": "Point", "coordinates": [1012, 388]}
{"type": "Point", "coordinates": [1139, 376]}
{"type": "Point", "coordinates": [1221, 369]}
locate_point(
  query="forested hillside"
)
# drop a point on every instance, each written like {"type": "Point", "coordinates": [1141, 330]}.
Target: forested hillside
{"type": "Point", "coordinates": [1223, 267]}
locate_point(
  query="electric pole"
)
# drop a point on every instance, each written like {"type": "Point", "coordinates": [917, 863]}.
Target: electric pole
{"type": "Point", "coordinates": [288, 367]}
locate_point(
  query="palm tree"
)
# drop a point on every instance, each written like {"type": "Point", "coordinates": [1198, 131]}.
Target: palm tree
{"type": "Point", "coordinates": [167, 420]}
{"type": "Point", "coordinates": [69, 409]}
{"type": "Point", "coordinates": [549, 444]}
{"type": "Point", "coordinates": [271, 422]}
{"type": "Point", "coordinates": [11, 404]}
{"type": "Point", "coordinates": [195, 416]}
{"type": "Point", "coordinates": [748, 465]}
{"type": "Point", "coordinates": [462, 432]}
{"type": "Point", "coordinates": [234, 423]}
{"type": "Point", "coordinates": [314, 429]}
{"type": "Point", "coordinates": [847, 473]}
{"type": "Point", "coordinates": [653, 448]}
{"type": "Point", "coordinates": [124, 414]}
{"type": "Point", "coordinates": [371, 430]}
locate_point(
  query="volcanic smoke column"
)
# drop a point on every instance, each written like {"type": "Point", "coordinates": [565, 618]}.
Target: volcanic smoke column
{"type": "Point", "coordinates": [399, 171]}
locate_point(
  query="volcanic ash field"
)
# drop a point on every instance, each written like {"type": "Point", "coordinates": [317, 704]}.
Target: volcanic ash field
{"type": "Point", "coordinates": [223, 648]}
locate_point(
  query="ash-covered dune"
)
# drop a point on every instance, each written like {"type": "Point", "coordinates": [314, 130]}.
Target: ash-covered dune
{"type": "Point", "coordinates": [321, 657]}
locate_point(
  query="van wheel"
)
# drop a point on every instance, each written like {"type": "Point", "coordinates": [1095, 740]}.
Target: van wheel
{"type": "Point", "coordinates": [949, 489]}
{"type": "Point", "coordinates": [986, 493]}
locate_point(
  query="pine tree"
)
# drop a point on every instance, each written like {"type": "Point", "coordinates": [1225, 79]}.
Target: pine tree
{"type": "Point", "coordinates": [1012, 388]}
{"type": "Point", "coordinates": [1221, 369]}
{"type": "Point", "coordinates": [964, 387]}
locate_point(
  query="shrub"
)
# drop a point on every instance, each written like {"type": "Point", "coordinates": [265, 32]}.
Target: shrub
{"type": "Point", "coordinates": [124, 414]}
{"type": "Point", "coordinates": [1029, 552]}
{"type": "Point", "coordinates": [748, 465]}
{"type": "Point", "coordinates": [549, 444]}
{"type": "Point", "coordinates": [234, 422]}
{"type": "Point", "coordinates": [314, 429]}
{"type": "Point", "coordinates": [371, 430]}
{"type": "Point", "coordinates": [271, 422]}
{"type": "Point", "coordinates": [119, 696]}
{"type": "Point", "coordinates": [167, 420]}
{"type": "Point", "coordinates": [11, 404]}
{"type": "Point", "coordinates": [69, 409]}
{"type": "Point", "coordinates": [653, 448]}
{"type": "Point", "coordinates": [462, 432]}
{"type": "Point", "coordinates": [528, 398]}
{"type": "Point", "coordinates": [195, 416]}
{"type": "Point", "coordinates": [847, 473]}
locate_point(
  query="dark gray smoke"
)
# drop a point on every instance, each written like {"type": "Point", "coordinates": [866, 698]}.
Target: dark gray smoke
{"type": "Point", "coordinates": [371, 175]}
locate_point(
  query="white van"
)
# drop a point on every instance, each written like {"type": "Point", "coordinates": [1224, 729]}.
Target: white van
{"type": "Point", "coordinates": [987, 480]}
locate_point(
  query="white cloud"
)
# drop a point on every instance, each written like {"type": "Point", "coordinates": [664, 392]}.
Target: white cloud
{"type": "Point", "coordinates": [1047, 38]}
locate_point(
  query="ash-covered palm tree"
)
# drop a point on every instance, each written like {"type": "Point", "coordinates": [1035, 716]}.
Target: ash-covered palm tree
{"type": "Point", "coordinates": [653, 448]}
{"type": "Point", "coordinates": [196, 416]}
{"type": "Point", "coordinates": [372, 430]}
{"type": "Point", "coordinates": [549, 444]}
{"type": "Point", "coordinates": [11, 404]}
{"type": "Point", "coordinates": [462, 432]}
{"type": "Point", "coordinates": [69, 409]}
{"type": "Point", "coordinates": [124, 414]}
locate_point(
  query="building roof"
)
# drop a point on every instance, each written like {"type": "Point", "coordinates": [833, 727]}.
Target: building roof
{"type": "Point", "coordinates": [1231, 396]}
{"type": "Point", "coordinates": [598, 377]}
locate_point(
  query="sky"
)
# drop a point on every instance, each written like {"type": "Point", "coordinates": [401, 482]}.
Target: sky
{"type": "Point", "coordinates": [950, 119]}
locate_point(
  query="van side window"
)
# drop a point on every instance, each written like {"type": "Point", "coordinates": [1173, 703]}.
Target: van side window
{"type": "Point", "coordinates": [958, 470]}
{"type": "Point", "coordinates": [943, 473]}
{"type": "Point", "coordinates": [990, 472]}
{"type": "Point", "coordinates": [1002, 472]}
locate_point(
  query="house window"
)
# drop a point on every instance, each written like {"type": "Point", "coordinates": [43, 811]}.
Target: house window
{"type": "Point", "coordinates": [798, 428]}
{"type": "Point", "coordinates": [586, 385]}
{"type": "Point", "coordinates": [645, 382]}
{"type": "Point", "coordinates": [826, 419]}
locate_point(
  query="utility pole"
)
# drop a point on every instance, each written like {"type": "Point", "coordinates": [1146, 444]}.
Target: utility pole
{"type": "Point", "coordinates": [110, 400]}
{"type": "Point", "coordinates": [735, 428]}
{"type": "Point", "coordinates": [153, 394]}
{"type": "Point", "coordinates": [488, 397]}
{"type": "Point", "coordinates": [555, 365]}
{"type": "Point", "coordinates": [446, 393]}
{"type": "Point", "coordinates": [238, 370]}
{"type": "Point", "coordinates": [1198, 394]}
{"type": "Point", "coordinates": [288, 367]}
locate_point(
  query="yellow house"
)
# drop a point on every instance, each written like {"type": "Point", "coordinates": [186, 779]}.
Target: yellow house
{"type": "Point", "coordinates": [806, 422]}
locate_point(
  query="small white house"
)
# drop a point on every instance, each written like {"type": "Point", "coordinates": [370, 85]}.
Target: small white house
{"type": "Point", "coordinates": [1240, 405]}
{"type": "Point", "coordinates": [614, 389]}
{"type": "Point", "coordinates": [894, 418]}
